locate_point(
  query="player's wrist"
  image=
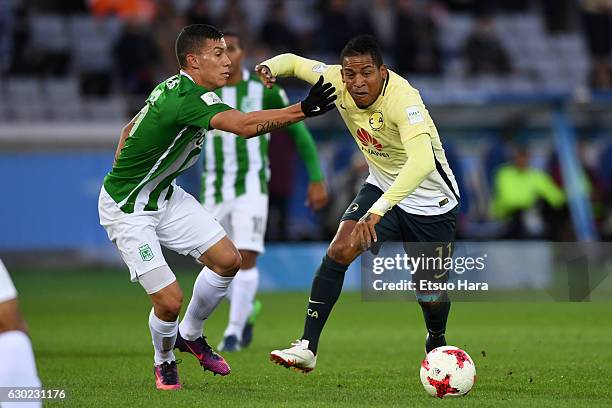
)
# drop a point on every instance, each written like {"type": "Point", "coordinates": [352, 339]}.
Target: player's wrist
{"type": "Point", "coordinates": [380, 207]}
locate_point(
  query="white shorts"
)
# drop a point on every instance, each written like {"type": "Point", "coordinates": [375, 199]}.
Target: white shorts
{"type": "Point", "coordinates": [7, 289]}
{"type": "Point", "coordinates": [181, 225]}
{"type": "Point", "coordinates": [244, 218]}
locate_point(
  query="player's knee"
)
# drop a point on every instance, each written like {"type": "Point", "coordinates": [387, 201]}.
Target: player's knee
{"type": "Point", "coordinates": [11, 318]}
{"type": "Point", "coordinates": [12, 324]}
{"type": "Point", "coordinates": [169, 310]}
{"type": "Point", "coordinates": [341, 252]}
{"type": "Point", "coordinates": [230, 265]}
{"type": "Point", "coordinates": [168, 306]}
{"type": "Point", "coordinates": [249, 259]}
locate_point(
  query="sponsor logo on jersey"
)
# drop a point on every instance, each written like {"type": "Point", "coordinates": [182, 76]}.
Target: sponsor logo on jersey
{"type": "Point", "coordinates": [369, 143]}
{"type": "Point", "coordinates": [146, 253]}
{"type": "Point", "coordinates": [320, 68]}
{"type": "Point", "coordinates": [414, 115]}
{"type": "Point", "coordinates": [376, 120]}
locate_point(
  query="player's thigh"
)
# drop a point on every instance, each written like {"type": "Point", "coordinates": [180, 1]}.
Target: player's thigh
{"type": "Point", "coordinates": [135, 237]}
{"type": "Point", "coordinates": [248, 221]}
{"type": "Point", "coordinates": [388, 229]}
{"type": "Point", "coordinates": [186, 227]}
{"type": "Point", "coordinates": [433, 228]}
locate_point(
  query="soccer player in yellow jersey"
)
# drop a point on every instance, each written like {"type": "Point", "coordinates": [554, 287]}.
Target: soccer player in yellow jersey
{"type": "Point", "coordinates": [410, 194]}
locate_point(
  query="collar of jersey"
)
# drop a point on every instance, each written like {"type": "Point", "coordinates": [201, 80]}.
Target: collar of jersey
{"type": "Point", "coordinates": [376, 103]}
{"type": "Point", "coordinates": [186, 83]}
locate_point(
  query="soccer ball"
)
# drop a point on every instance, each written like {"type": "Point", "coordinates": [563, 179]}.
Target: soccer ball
{"type": "Point", "coordinates": [447, 372]}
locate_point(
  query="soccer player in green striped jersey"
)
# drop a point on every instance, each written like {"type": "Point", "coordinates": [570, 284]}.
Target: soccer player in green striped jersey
{"type": "Point", "coordinates": [142, 208]}
{"type": "Point", "coordinates": [235, 185]}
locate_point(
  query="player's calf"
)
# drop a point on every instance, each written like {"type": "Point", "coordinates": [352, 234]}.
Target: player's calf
{"type": "Point", "coordinates": [435, 307]}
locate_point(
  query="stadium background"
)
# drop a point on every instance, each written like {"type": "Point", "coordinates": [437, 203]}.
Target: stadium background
{"type": "Point", "coordinates": [498, 77]}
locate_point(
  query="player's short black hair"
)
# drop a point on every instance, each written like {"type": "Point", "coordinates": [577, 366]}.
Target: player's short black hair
{"type": "Point", "coordinates": [360, 45]}
{"type": "Point", "coordinates": [190, 39]}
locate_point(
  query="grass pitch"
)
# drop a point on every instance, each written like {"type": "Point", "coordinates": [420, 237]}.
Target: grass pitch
{"type": "Point", "coordinates": [90, 334]}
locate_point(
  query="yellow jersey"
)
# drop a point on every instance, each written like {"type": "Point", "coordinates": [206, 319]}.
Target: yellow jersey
{"type": "Point", "coordinates": [382, 132]}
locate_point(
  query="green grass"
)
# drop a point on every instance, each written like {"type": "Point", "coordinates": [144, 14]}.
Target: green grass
{"type": "Point", "coordinates": [90, 334]}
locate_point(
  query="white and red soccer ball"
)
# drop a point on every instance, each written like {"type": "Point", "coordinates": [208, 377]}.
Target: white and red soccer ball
{"type": "Point", "coordinates": [448, 372]}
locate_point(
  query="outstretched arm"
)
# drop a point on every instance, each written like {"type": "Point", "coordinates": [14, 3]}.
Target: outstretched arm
{"type": "Point", "coordinates": [291, 65]}
{"type": "Point", "coordinates": [320, 99]}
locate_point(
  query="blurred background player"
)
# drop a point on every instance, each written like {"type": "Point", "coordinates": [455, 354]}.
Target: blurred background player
{"type": "Point", "coordinates": [410, 194]}
{"type": "Point", "coordinates": [235, 187]}
{"type": "Point", "coordinates": [16, 355]}
{"type": "Point", "coordinates": [142, 208]}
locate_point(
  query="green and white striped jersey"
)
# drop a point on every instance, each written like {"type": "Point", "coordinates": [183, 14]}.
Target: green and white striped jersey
{"type": "Point", "coordinates": [165, 140]}
{"type": "Point", "coordinates": [233, 165]}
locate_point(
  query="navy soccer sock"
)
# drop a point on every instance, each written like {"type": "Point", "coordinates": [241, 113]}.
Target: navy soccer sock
{"type": "Point", "coordinates": [436, 314]}
{"type": "Point", "coordinates": [326, 288]}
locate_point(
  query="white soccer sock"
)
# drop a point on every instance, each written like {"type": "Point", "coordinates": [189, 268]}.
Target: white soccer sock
{"type": "Point", "coordinates": [244, 288]}
{"type": "Point", "coordinates": [208, 290]}
{"type": "Point", "coordinates": [19, 367]}
{"type": "Point", "coordinates": [164, 336]}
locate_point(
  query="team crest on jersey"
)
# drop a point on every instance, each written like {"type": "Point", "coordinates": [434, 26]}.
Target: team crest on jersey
{"type": "Point", "coordinates": [376, 120]}
{"type": "Point", "coordinates": [146, 253]}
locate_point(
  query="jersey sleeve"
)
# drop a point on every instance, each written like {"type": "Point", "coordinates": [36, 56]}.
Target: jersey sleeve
{"type": "Point", "coordinates": [291, 65]}
{"type": "Point", "coordinates": [408, 113]}
{"type": "Point", "coordinates": [199, 108]}
{"type": "Point", "coordinates": [418, 166]}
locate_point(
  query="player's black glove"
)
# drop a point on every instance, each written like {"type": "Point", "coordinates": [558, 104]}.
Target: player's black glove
{"type": "Point", "coordinates": [320, 99]}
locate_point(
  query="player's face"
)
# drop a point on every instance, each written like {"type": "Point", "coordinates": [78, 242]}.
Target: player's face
{"type": "Point", "coordinates": [212, 65]}
{"type": "Point", "coordinates": [234, 52]}
{"type": "Point", "coordinates": [363, 79]}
